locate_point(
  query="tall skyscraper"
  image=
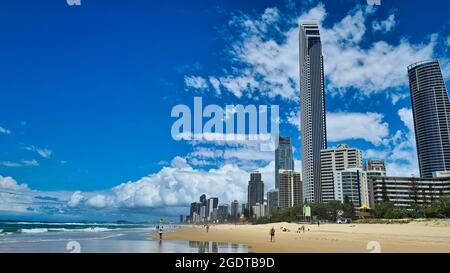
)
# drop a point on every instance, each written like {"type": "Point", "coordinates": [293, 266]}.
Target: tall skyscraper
{"type": "Point", "coordinates": [312, 106]}
{"type": "Point", "coordinates": [272, 201]}
{"type": "Point", "coordinates": [212, 204]}
{"type": "Point", "coordinates": [234, 209]}
{"type": "Point", "coordinates": [290, 191]}
{"type": "Point", "coordinates": [338, 159]}
{"type": "Point", "coordinates": [431, 111]}
{"type": "Point", "coordinates": [255, 189]}
{"type": "Point", "coordinates": [222, 211]}
{"type": "Point", "coordinates": [284, 159]}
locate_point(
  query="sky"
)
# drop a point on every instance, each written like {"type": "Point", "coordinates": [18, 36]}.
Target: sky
{"type": "Point", "coordinates": [86, 95]}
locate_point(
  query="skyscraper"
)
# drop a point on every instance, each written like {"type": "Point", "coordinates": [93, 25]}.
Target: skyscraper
{"type": "Point", "coordinates": [290, 191]}
{"type": "Point", "coordinates": [283, 157]}
{"type": "Point", "coordinates": [431, 110]}
{"type": "Point", "coordinates": [255, 189]}
{"type": "Point", "coordinates": [212, 204]}
{"type": "Point", "coordinates": [222, 211]}
{"type": "Point", "coordinates": [234, 209]}
{"type": "Point", "coordinates": [338, 159]}
{"type": "Point", "coordinates": [272, 200]}
{"type": "Point", "coordinates": [312, 106]}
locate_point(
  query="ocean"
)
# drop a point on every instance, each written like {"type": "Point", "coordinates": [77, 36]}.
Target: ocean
{"type": "Point", "coordinates": [43, 237]}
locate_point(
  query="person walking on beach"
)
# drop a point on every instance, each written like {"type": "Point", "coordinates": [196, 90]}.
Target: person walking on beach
{"type": "Point", "coordinates": [160, 229]}
{"type": "Point", "coordinates": [272, 235]}
{"type": "Point", "coordinates": [207, 228]}
{"type": "Point", "coordinates": [318, 223]}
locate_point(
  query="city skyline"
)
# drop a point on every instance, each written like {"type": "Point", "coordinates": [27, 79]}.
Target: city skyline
{"type": "Point", "coordinates": [92, 140]}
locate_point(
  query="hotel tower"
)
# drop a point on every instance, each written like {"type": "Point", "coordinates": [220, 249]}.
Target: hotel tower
{"type": "Point", "coordinates": [312, 106]}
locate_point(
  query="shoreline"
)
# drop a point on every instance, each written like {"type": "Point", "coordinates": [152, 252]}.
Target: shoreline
{"type": "Point", "coordinates": [414, 237]}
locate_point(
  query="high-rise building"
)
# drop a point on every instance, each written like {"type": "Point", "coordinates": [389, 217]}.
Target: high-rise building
{"type": "Point", "coordinates": [374, 169]}
{"type": "Point", "coordinates": [203, 199]}
{"type": "Point", "coordinates": [222, 212]}
{"type": "Point", "coordinates": [312, 101]}
{"type": "Point", "coordinates": [181, 219]}
{"type": "Point", "coordinates": [193, 209]}
{"type": "Point", "coordinates": [290, 190]}
{"type": "Point", "coordinates": [212, 204]}
{"type": "Point", "coordinates": [272, 201]}
{"type": "Point", "coordinates": [259, 210]}
{"type": "Point", "coordinates": [234, 209]}
{"type": "Point", "coordinates": [284, 159]}
{"type": "Point", "coordinates": [255, 189]}
{"type": "Point", "coordinates": [351, 184]}
{"type": "Point", "coordinates": [375, 166]}
{"type": "Point", "coordinates": [202, 213]}
{"type": "Point", "coordinates": [431, 111]}
{"type": "Point", "coordinates": [338, 159]}
{"type": "Point", "coordinates": [405, 191]}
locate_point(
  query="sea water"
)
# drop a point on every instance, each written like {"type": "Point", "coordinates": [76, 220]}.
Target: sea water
{"type": "Point", "coordinates": [35, 237]}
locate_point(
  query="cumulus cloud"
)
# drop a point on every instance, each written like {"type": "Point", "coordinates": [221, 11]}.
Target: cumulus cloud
{"type": "Point", "coordinates": [367, 126]}
{"type": "Point", "coordinates": [399, 150]}
{"type": "Point", "coordinates": [386, 25]}
{"type": "Point", "coordinates": [9, 183]}
{"type": "Point", "coordinates": [268, 66]}
{"type": "Point", "coordinates": [4, 131]}
{"type": "Point", "coordinates": [350, 126]}
{"type": "Point", "coordinates": [75, 199]}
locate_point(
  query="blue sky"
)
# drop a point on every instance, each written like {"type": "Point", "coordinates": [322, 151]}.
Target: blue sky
{"type": "Point", "coordinates": [86, 93]}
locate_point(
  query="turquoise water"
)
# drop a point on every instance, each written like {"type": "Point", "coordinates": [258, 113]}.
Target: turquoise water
{"type": "Point", "coordinates": [33, 237]}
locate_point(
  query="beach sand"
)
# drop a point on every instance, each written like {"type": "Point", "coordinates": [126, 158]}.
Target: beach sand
{"type": "Point", "coordinates": [425, 236]}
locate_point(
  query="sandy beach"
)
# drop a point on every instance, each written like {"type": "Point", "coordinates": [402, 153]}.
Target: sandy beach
{"type": "Point", "coordinates": [417, 236]}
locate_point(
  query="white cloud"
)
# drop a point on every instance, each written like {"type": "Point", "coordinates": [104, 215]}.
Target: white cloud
{"type": "Point", "coordinates": [100, 201]}
{"type": "Point", "coordinates": [10, 183]}
{"type": "Point", "coordinates": [179, 162]}
{"type": "Point", "coordinates": [293, 118]}
{"type": "Point", "coordinates": [4, 131]}
{"type": "Point", "coordinates": [267, 66]}
{"type": "Point", "coordinates": [45, 153]}
{"type": "Point", "coordinates": [75, 199]}
{"type": "Point", "coordinates": [386, 25]}
{"type": "Point", "coordinates": [10, 164]}
{"type": "Point", "coordinates": [366, 126]}
{"type": "Point", "coordinates": [399, 151]}
{"type": "Point", "coordinates": [195, 82]}
{"type": "Point", "coordinates": [23, 163]}
{"type": "Point", "coordinates": [215, 84]}
{"type": "Point", "coordinates": [30, 163]}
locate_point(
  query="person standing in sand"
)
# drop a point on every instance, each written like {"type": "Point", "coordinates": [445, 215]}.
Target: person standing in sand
{"type": "Point", "coordinates": [272, 235]}
{"type": "Point", "coordinates": [207, 228]}
{"type": "Point", "coordinates": [160, 229]}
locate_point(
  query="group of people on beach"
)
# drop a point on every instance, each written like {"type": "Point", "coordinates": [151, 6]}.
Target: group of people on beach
{"type": "Point", "coordinates": [300, 230]}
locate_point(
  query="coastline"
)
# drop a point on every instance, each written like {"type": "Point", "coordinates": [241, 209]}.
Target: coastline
{"type": "Point", "coordinates": [431, 236]}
